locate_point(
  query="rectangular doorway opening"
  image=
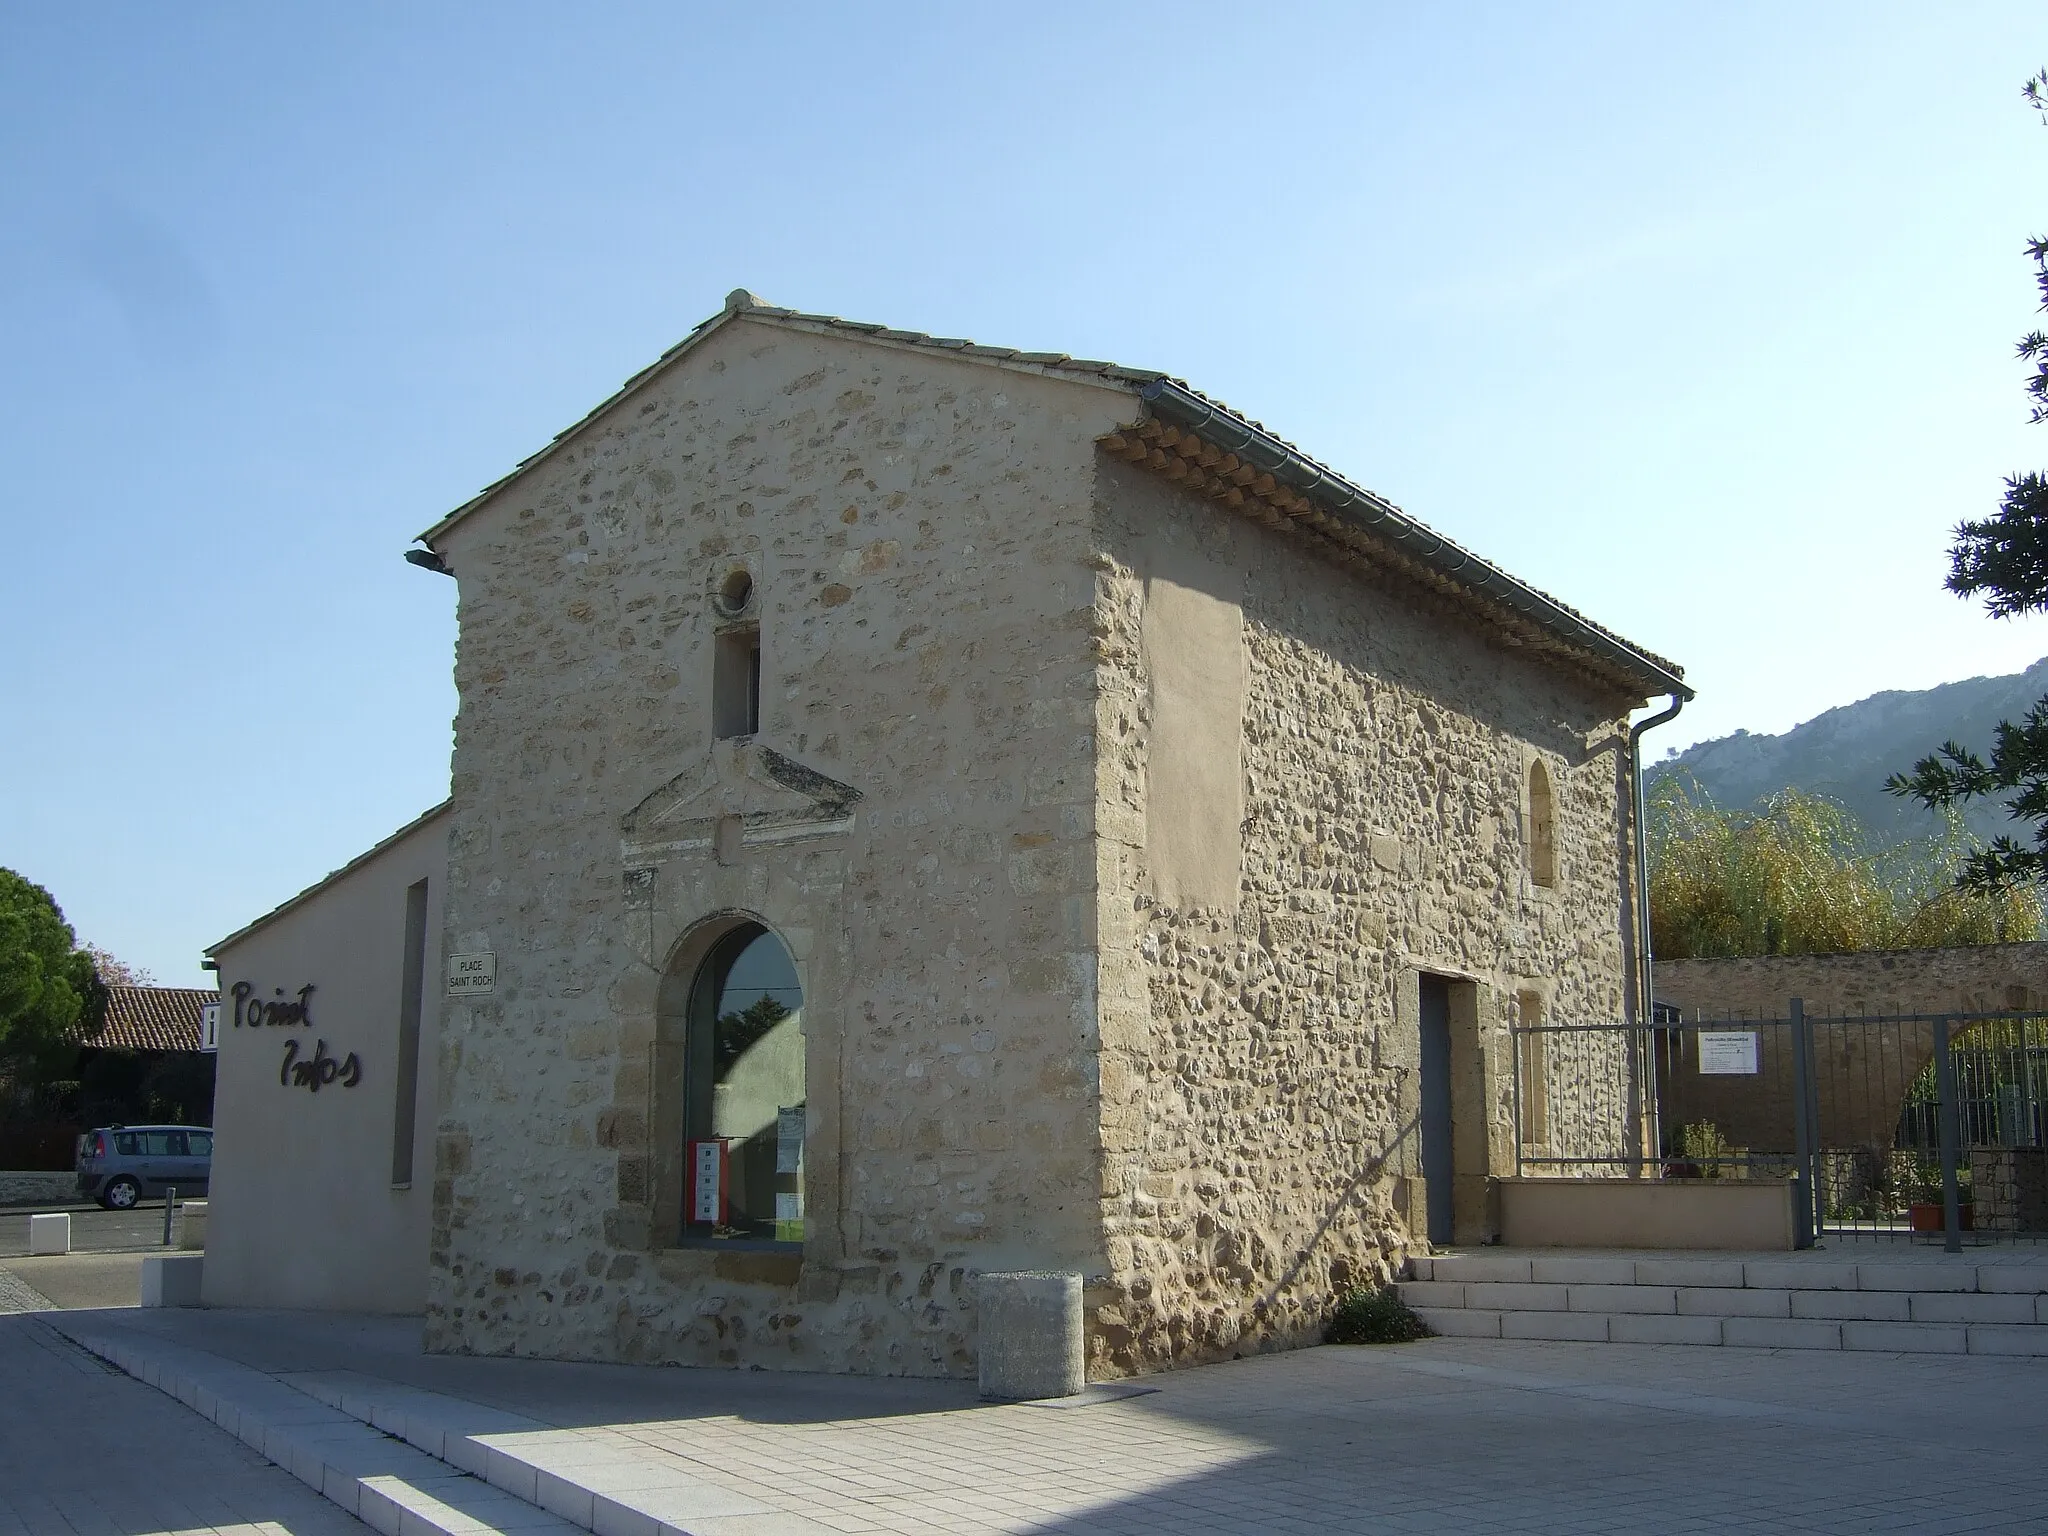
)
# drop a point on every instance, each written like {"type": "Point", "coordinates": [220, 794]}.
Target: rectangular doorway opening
{"type": "Point", "coordinates": [1438, 1161]}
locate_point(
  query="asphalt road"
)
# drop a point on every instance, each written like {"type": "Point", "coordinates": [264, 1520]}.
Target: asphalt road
{"type": "Point", "coordinates": [92, 1229]}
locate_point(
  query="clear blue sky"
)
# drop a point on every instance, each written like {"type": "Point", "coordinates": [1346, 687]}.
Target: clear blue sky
{"type": "Point", "coordinates": [1699, 317]}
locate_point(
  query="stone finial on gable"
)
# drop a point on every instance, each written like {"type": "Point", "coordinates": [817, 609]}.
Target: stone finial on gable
{"type": "Point", "coordinates": [740, 299]}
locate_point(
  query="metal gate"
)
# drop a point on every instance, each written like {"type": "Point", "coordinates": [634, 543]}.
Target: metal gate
{"type": "Point", "coordinates": [1928, 1126]}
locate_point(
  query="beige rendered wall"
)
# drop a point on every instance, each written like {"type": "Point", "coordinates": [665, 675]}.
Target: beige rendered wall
{"type": "Point", "coordinates": [302, 1211]}
{"type": "Point", "coordinates": [917, 530]}
{"type": "Point", "coordinates": [1260, 1032]}
{"type": "Point", "coordinates": [1733, 1215]}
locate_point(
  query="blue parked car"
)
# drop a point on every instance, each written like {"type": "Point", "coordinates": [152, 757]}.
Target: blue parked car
{"type": "Point", "coordinates": [121, 1164]}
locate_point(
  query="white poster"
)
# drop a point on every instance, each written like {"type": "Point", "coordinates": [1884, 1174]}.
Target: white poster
{"type": "Point", "coordinates": [474, 974]}
{"type": "Point", "coordinates": [704, 1191]}
{"type": "Point", "coordinates": [1728, 1053]}
{"type": "Point", "coordinates": [789, 1140]}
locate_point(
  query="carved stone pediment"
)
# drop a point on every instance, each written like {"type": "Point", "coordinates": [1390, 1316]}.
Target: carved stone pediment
{"type": "Point", "coordinates": [754, 790]}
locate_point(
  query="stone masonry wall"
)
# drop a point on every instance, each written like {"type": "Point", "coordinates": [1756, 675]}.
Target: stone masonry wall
{"type": "Point", "coordinates": [916, 528]}
{"type": "Point", "coordinates": [1260, 1055]}
{"type": "Point", "coordinates": [1862, 1071]}
{"type": "Point", "coordinates": [1980, 978]}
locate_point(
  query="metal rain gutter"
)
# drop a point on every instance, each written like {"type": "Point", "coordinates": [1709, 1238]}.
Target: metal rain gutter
{"type": "Point", "coordinates": [1180, 406]}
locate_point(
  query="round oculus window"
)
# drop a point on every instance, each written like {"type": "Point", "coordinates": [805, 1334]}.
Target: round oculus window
{"type": "Point", "coordinates": [736, 592]}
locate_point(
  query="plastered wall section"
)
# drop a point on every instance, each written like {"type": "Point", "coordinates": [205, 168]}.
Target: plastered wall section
{"type": "Point", "coordinates": [1262, 942]}
{"type": "Point", "coordinates": [302, 1210]}
{"type": "Point", "coordinates": [917, 532]}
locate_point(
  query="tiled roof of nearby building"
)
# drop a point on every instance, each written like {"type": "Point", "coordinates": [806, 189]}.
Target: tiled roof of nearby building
{"type": "Point", "coordinates": [1349, 514]}
{"type": "Point", "coordinates": [150, 1019]}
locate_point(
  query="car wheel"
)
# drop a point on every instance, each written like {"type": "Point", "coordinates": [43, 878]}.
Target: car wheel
{"type": "Point", "coordinates": [121, 1194]}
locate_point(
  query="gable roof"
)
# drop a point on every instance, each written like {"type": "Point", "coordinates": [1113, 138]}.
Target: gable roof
{"type": "Point", "coordinates": [1184, 433]}
{"type": "Point", "coordinates": [354, 864]}
{"type": "Point", "coordinates": [150, 1019]}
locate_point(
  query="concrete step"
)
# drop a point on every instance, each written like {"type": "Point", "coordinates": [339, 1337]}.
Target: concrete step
{"type": "Point", "coordinates": [1739, 1332]}
{"type": "Point", "coordinates": [597, 1479]}
{"type": "Point", "coordinates": [1932, 1307]}
{"type": "Point", "coordinates": [409, 1462]}
{"type": "Point", "coordinates": [2019, 1274]}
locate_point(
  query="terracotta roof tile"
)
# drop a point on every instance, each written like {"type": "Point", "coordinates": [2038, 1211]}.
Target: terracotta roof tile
{"type": "Point", "coordinates": [151, 1019]}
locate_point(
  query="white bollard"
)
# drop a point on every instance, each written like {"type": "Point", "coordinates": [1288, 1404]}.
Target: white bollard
{"type": "Point", "coordinates": [172, 1280]}
{"type": "Point", "coordinates": [50, 1234]}
{"type": "Point", "coordinates": [192, 1226]}
{"type": "Point", "coordinates": [1030, 1343]}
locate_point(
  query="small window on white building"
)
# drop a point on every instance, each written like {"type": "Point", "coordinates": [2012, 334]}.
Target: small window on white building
{"type": "Point", "coordinates": [1542, 826]}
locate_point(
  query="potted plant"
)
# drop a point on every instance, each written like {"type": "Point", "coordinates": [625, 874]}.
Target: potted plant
{"type": "Point", "coordinates": [1927, 1212]}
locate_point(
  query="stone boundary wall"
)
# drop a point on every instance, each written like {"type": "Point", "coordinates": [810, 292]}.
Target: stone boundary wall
{"type": "Point", "coordinates": [1863, 1071]}
{"type": "Point", "coordinates": [20, 1187]}
{"type": "Point", "coordinates": [1980, 978]}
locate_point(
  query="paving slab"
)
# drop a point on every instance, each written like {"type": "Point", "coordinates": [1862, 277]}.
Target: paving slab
{"type": "Point", "coordinates": [84, 1448]}
{"type": "Point", "coordinates": [1943, 1307]}
{"type": "Point", "coordinates": [1578, 1436]}
{"type": "Point", "coordinates": [1739, 1301]}
{"type": "Point", "coordinates": [1916, 1338]}
{"type": "Point", "coordinates": [1855, 1306]}
{"type": "Point", "coordinates": [1780, 1333]}
{"type": "Point", "coordinates": [1508, 1296]}
{"type": "Point", "coordinates": [1553, 1325]}
{"type": "Point", "coordinates": [1916, 1277]}
{"type": "Point", "coordinates": [1579, 1269]}
{"type": "Point", "coordinates": [1995, 1339]}
{"type": "Point", "coordinates": [1622, 1298]}
{"type": "Point", "coordinates": [1655, 1328]}
{"type": "Point", "coordinates": [1505, 1268]}
{"type": "Point", "coordinates": [1718, 1273]}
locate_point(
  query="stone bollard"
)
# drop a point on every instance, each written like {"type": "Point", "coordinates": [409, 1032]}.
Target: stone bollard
{"type": "Point", "coordinates": [172, 1280]}
{"type": "Point", "coordinates": [192, 1226]}
{"type": "Point", "coordinates": [1031, 1335]}
{"type": "Point", "coordinates": [50, 1234]}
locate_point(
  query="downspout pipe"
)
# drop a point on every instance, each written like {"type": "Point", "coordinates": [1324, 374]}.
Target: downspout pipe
{"type": "Point", "coordinates": [1646, 987]}
{"type": "Point", "coordinates": [1646, 1001]}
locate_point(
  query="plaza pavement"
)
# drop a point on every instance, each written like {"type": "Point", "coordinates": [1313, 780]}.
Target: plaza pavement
{"type": "Point", "coordinates": [87, 1451]}
{"type": "Point", "coordinates": [1447, 1434]}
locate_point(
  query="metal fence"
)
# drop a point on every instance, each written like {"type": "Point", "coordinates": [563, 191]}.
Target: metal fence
{"type": "Point", "coordinates": [1896, 1125]}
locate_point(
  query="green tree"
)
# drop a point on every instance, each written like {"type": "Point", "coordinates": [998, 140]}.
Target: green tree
{"type": "Point", "coordinates": [46, 982]}
{"type": "Point", "coordinates": [1800, 876]}
{"type": "Point", "coordinates": [2004, 559]}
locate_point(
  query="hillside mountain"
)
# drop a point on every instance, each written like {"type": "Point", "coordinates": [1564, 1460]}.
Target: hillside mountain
{"type": "Point", "coordinates": [1847, 753]}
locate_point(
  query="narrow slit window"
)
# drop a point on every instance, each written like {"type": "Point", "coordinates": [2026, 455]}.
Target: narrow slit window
{"type": "Point", "coordinates": [1535, 1076]}
{"type": "Point", "coordinates": [1542, 826]}
{"type": "Point", "coordinates": [736, 683]}
{"type": "Point", "coordinates": [411, 1000]}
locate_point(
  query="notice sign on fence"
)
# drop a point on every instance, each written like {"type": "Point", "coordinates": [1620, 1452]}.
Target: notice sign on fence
{"type": "Point", "coordinates": [470, 975]}
{"type": "Point", "coordinates": [1728, 1054]}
